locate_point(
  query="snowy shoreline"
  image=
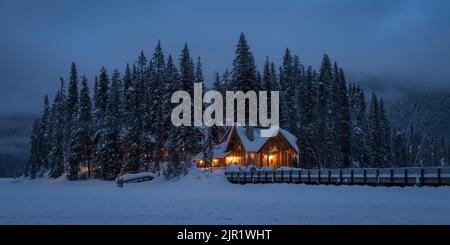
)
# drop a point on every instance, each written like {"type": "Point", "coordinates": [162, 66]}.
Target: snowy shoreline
{"type": "Point", "coordinates": [208, 198]}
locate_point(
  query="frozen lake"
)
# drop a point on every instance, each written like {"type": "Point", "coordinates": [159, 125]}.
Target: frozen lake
{"type": "Point", "coordinates": [205, 198]}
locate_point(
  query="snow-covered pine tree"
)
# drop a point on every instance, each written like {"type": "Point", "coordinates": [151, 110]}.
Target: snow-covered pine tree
{"type": "Point", "coordinates": [44, 135]}
{"type": "Point", "coordinates": [376, 134]}
{"type": "Point", "coordinates": [72, 98]}
{"type": "Point", "coordinates": [275, 77]}
{"type": "Point", "coordinates": [217, 84]}
{"type": "Point", "coordinates": [258, 82]}
{"type": "Point", "coordinates": [101, 99]}
{"type": "Point", "coordinates": [198, 75]}
{"type": "Point", "coordinates": [267, 85]}
{"type": "Point", "coordinates": [139, 75]}
{"type": "Point", "coordinates": [108, 153]}
{"type": "Point", "coordinates": [172, 85]}
{"type": "Point", "coordinates": [386, 135]}
{"type": "Point", "coordinates": [360, 134]}
{"type": "Point", "coordinates": [299, 76]}
{"type": "Point", "coordinates": [243, 76]}
{"type": "Point", "coordinates": [216, 131]}
{"type": "Point", "coordinates": [115, 96]}
{"type": "Point", "coordinates": [34, 159]}
{"type": "Point", "coordinates": [399, 150]}
{"type": "Point", "coordinates": [244, 71]}
{"type": "Point", "coordinates": [325, 144]}
{"type": "Point", "coordinates": [207, 147]}
{"type": "Point", "coordinates": [183, 138]}
{"type": "Point", "coordinates": [288, 101]}
{"type": "Point", "coordinates": [307, 108]}
{"type": "Point", "coordinates": [84, 129]}
{"type": "Point", "coordinates": [344, 124]}
{"type": "Point", "coordinates": [176, 152]}
{"type": "Point", "coordinates": [226, 80]}
{"type": "Point", "coordinates": [56, 155]}
{"type": "Point", "coordinates": [158, 83]}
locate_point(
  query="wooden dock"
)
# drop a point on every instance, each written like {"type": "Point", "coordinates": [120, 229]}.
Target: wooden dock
{"type": "Point", "coordinates": [434, 176]}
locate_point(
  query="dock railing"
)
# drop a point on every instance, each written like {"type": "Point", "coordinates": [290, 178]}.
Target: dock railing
{"type": "Point", "coordinates": [432, 176]}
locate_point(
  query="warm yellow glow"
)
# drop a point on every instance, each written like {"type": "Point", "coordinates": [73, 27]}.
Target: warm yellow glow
{"type": "Point", "coordinates": [270, 157]}
{"type": "Point", "coordinates": [232, 159]}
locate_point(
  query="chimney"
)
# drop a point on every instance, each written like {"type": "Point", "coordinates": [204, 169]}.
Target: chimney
{"type": "Point", "coordinates": [249, 132]}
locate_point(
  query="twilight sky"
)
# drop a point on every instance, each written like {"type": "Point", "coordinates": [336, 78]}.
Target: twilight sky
{"type": "Point", "coordinates": [399, 43]}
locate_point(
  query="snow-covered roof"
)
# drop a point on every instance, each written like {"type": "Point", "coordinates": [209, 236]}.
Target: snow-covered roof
{"type": "Point", "coordinates": [258, 141]}
{"type": "Point", "coordinates": [219, 151]}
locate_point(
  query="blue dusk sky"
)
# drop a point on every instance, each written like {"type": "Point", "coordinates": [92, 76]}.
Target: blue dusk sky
{"type": "Point", "coordinates": [397, 43]}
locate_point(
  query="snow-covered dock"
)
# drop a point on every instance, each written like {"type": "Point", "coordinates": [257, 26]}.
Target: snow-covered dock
{"type": "Point", "coordinates": [360, 176]}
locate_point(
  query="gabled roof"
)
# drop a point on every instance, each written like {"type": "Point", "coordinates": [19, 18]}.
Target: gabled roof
{"type": "Point", "coordinates": [258, 141]}
{"type": "Point", "coordinates": [220, 150]}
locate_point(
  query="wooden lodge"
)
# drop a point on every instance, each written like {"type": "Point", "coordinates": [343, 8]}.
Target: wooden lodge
{"type": "Point", "coordinates": [243, 146]}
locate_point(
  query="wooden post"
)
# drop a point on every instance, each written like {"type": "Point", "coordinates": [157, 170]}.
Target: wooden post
{"type": "Point", "coordinates": [309, 176]}
{"type": "Point", "coordinates": [259, 176]}
{"type": "Point", "coordinates": [329, 176]}
{"type": "Point", "coordinates": [392, 176]}
{"type": "Point", "coordinates": [251, 176]}
{"type": "Point", "coordinates": [290, 176]}
{"type": "Point", "coordinates": [267, 180]}
{"type": "Point", "coordinates": [299, 176]}
{"type": "Point", "coordinates": [365, 176]}
{"type": "Point", "coordinates": [340, 176]}
{"type": "Point", "coordinates": [422, 177]}
{"type": "Point", "coordinates": [231, 178]}
{"type": "Point", "coordinates": [439, 175]}
{"type": "Point", "coordinates": [238, 179]}
{"type": "Point", "coordinates": [282, 175]}
{"type": "Point", "coordinates": [378, 176]}
{"type": "Point", "coordinates": [245, 177]}
{"type": "Point", "coordinates": [406, 176]}
{"type": "Point", "coordinates": [351, 176]}
{"type": "Point", "coordinates": [318, 176]}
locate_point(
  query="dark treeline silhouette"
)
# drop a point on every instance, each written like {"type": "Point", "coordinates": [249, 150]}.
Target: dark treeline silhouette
{"type": "Point", "coordinates": [125, 127]}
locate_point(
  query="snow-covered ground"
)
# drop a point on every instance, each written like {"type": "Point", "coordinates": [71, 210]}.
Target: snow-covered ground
{"type": "Point", "coordinates": [205, 198]}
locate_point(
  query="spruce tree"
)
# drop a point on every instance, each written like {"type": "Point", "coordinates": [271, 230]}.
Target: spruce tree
{"type": "Point", "coordinates": [399, 150]}
{"type": "Point", "coordinates": [360, 134]}
{"type": "Point", "coordinates": [268, 84]}
{"type": "Point", "coordinates": [243, 73]}
{"type": "Point", "coordinates": [157, 87]}
{"type": "Point", "coordinates": [244, 70]}
{"type": "Point", "coordinates": [72, 99]}
{"type": "Point", "coordinates": [84, 131]}
{"type": "Point", "coordinates": [288, 111]}
{"type": "Point", "coordinates": [56, 155]}
{"type": "Point", "coordinates": [307, 108]}
{"type": "Point", "coordinates": [207, 147]}
{"type": "Point", "coordinates": [376, 134]}
{"type": "Point", "coordinates": [172, 85]}
{"type": "Point", "coordinates": [45, 134]}
{"type": "Point", "coordinates": [108, 154]}
{"type": "Point", "coordinates": [186, 137]}
{"type": "Point", "coordinates": [386, 135]}
{"type": "Point", "coordinates": [325, 144]}
{"type": "Point", "coordinates": [344, 125]}
{"type": "Point", "coordinates": [226, 80]}
{"type": "Point", "coordinates": [34, 159]}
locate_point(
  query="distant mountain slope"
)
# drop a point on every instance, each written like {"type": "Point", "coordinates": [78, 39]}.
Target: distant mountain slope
{"type": "Point", "coordinates": [15, 133]}
{"type": "Point", "coordinates": [427, 110]}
